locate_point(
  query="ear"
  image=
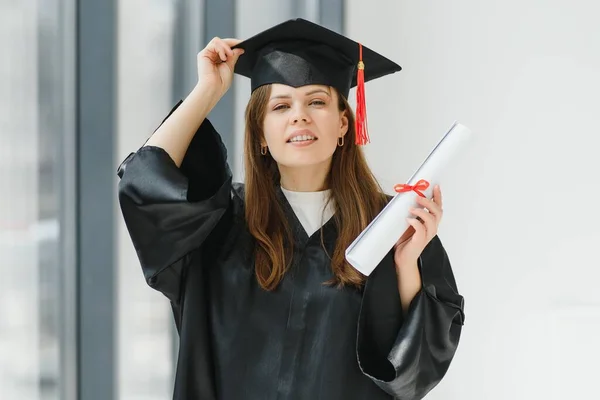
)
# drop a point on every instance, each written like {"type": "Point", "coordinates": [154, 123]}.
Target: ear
{"type": "Point", "coordinates": [344, 123]}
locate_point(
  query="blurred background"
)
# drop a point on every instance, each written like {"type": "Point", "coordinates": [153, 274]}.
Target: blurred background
{"type": "Point", "coordinates": [84, 82]}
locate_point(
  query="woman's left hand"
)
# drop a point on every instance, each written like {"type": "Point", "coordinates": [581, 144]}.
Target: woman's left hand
{"type": "Point", "coordinates": [410, 246]}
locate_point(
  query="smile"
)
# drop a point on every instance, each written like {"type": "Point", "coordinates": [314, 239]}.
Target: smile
{"type": "Point", "coordinates": [302, 138]}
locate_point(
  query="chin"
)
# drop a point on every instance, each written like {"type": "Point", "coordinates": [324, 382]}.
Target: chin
{"type": "Point", "coordinates": [303, 160]}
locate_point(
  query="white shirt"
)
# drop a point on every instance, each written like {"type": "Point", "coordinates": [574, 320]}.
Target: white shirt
{"type": "Point", "coordinates": [310, 208]}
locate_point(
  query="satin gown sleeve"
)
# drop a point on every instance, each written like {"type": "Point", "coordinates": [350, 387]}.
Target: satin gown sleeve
{"type": "Point", "coordinates": [170, 211]}
{"type": "Point", "coordinates": [408, 356]}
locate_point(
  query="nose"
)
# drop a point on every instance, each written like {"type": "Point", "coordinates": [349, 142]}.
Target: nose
{"type": "Point", "coordinates": [296, 119]}
{"type": "Point", "coordinates": [300, 114]}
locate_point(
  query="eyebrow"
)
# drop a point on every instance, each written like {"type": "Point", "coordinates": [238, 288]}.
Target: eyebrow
{"type": "Point", "coordinates": [287, 96]}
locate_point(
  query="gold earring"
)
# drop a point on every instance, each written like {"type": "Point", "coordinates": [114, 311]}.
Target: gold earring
{"type": "Point", "coordinates": [263, 150]}
{"type": "Point", "coordinates": [341, 143]}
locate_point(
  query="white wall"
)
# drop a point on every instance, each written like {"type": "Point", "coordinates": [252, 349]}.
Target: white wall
{"type": "Point", "coordinates": [521, 213]}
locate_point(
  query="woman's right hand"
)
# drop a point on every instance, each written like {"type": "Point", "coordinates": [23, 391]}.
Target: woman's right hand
{"type": "Point", "coordinates": [216, 63]}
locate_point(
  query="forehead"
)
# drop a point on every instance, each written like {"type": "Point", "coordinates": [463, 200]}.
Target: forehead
{"type": "Point", "coordinates": [278, 89]}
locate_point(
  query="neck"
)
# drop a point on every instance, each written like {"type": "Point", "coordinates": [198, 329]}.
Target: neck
{"type": "Point", "coordinates": [310, 178]}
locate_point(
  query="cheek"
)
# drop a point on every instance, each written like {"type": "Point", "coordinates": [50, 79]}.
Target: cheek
{"type": "Point", "coordinates": [270, 128]}
{"type": "Point", "coordinates": [330, 129]}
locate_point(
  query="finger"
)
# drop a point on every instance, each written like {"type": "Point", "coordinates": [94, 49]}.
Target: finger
{"type": "Point", "coordinates": [437, 196]}
{"type": "Point", "coordinates": [221, 51]}
{"type": "Point", "coordinates": [218, 46]}
{"type": "Point", "coordinates": [238, 52]}
{"type": "Point", "coordinates": [215, 51]}
{"type": "Point", "coordinates": [420, 229]}
{"type": "Point", "coordinates": [211, 53]}
{"type": "Point", "coordinates": [431, 206]}
{"type": "Point", "coordinates": [429, 221]}
{"type": "Point", "coordinates": [231, 42]}
{"type": "Point", "coordinates": [407, 235]}
{"type": "Point", "coordinates": [426, 217]}
{"type": "Point", "coordinates": [232, 60]}
{"type": "Point", "coordinates": [226, 48]}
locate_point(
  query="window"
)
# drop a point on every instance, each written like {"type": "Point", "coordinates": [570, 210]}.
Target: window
{"type": "Point", "coordinates": [36, 266]}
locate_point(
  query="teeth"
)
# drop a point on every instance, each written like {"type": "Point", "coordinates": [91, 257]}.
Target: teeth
{"type": "Point", "coordinates": [302, 138]}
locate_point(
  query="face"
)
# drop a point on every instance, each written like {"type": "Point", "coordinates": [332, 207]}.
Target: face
{"type": "Point", "coordinates": [302, 125]}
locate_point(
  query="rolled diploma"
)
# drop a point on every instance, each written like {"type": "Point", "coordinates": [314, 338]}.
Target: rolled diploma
{"type": "Point", "coordinates": [378, 238]}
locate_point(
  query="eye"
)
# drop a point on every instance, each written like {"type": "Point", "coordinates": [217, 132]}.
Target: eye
{"type": "Point", "coordinates": [280, 107]}
{"type": "Point", "coordinates": [317, 103]}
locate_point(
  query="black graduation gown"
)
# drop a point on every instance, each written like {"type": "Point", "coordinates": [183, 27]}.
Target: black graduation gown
{"type": "Point", "coordinates": [302, 341]}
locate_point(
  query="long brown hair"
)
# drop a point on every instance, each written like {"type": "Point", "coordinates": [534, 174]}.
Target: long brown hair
{"type": "Point", "coordinates": [355, 191]}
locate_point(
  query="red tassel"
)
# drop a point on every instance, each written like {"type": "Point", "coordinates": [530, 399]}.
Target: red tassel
{"type": "Point", "coordinates": [362, 134]}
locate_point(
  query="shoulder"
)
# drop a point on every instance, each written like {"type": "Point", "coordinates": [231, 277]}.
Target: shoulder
{"type": "Point", "coordinates": [238, 191]}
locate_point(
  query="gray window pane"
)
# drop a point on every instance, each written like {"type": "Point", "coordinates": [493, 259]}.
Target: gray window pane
{"type": "Point", "coordinates": [31, 133]}
{"type": "Point", "coordinates": [145, 42]}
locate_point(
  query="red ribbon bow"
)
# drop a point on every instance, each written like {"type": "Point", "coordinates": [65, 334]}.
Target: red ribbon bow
{"type": "Point", "coordinates": [404, 187]}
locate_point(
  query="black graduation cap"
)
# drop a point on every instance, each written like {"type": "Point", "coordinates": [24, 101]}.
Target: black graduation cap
{"type": "Point", "coordinates": [298, 53]}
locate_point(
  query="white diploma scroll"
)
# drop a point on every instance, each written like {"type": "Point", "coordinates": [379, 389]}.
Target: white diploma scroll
{"type": "Point", "coordinates": [379, 237]}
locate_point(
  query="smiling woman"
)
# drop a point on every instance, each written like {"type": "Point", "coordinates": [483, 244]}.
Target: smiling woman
{"type": "Point", "coordinates": [265, 303]}
{"type": "Point", "coordinates": [297, 119]}
{"type": "Point", "coordinates": [303, 129]}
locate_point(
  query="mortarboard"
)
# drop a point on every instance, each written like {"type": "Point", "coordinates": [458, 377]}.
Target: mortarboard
{"type": "Point", "coordinates": [298, 53]}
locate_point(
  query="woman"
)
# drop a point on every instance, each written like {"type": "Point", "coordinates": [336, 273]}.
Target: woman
{"type": "Point", "coordinates": [265, 304]}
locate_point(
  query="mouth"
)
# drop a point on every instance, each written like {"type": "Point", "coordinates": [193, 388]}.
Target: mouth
{"type": "Point", "coordinates": [302, 136]}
